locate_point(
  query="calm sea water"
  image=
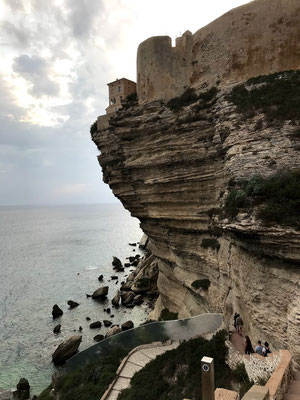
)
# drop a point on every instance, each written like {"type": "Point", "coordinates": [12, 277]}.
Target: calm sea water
{"type": "Point", "coordinates": [51, 255]}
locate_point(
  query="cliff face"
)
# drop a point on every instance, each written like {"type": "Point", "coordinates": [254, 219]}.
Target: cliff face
{"type": "Point", "coordinates": [257, 38]}
{"type": "Point", "coordinates": [171, 169]}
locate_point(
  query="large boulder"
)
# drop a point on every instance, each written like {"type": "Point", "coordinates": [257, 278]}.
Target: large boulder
{"type": "Point", "coordinates": [98, 338]}
{"type": "Point", "coordinates": [127, 325]}
{"type": "Point", "coordinates": [117, 264]}
{"type": "Point", "coordinates": [73, 304]}
{"type": "Point", "coordinates": [66, 349]}
{"type": "Point", "coordinates": [101, 293]}
{"type": "Point", "coordinates": [127, 297]}
{"type": "Point", "coordinates": [113, 331]}
{"type": "Point", "coordinates": [96, 324]}
{"type": "Point", "coordinates": [107, 323]}
{"type": "Point", "coordinates": [116, 300]}
{"type": "Point", "coordinates": [23, 389]}
{"type": "Point", "coordinates": [56, 311]}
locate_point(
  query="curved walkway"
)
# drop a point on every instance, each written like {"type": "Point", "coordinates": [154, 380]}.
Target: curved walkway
{"type": "Point", "coordinates": [132, 363]}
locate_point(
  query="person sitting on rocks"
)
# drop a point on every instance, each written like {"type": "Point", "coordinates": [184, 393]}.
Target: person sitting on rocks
{"type": "Point", "coordinates": [266, 349]}
{"type": "Point", "coordinates": [239, 324]}
{"type": "Point", "coordinates": [248, 347]}
{"type": "Point", "coordinates": [258, 348]}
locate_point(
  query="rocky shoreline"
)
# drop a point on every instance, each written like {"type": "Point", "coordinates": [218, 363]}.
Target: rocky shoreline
{"type": "Point", "coordinates": [139, 286]}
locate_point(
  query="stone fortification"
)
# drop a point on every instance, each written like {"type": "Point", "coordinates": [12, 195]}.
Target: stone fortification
{"type": "Point", "coordinates": [258, 38]}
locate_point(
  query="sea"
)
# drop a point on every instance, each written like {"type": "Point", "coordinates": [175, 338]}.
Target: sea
{"type": "Point", "coordinates": [50, 255]}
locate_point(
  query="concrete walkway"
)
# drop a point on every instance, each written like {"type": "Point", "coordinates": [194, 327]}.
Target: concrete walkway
{"type": "Point", "coordinates": [132, 363]}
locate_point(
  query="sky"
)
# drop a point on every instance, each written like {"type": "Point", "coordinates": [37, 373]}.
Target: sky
{"type": "Point", "coordinates": [56, 58]}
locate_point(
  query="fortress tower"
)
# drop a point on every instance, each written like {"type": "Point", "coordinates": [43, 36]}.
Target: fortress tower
{"type": "Point", "coordinates": [117, 92]}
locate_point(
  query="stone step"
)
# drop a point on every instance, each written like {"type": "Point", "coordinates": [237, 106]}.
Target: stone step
{"type": "Point", "coordinates": [294, 388]}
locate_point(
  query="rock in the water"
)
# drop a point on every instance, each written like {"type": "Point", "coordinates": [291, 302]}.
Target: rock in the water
{"type": "Point", "coordinates": [73, 304]}
{"type": "Point", "coordinates": [117, 264]}
{"type": "Point", "coordinates": [127, 297]}
{"type": "Point", "coordinates": [100, 293]}
{"type": "Point", "coordinates": [23, 389]}
{"type": "Point", "coordinates": [88, 295]}
{"type": "Point", "coordinates": [80, 329]}
{"type": "Point", "coordinates": [131, 259]}
{"type": "Point", "coordinates": [66, 349]}
{"type": "Point", "coordinates": [111, 316]}
{"type": "Point", "coordinates": [116, 300]}
{"type": "Point", "coordinates": [57, 329]}
{"type": "Point", "coordinates": [127, 325]}
{"type": "Point", "coordinates": [56, 311]}
{"type": "Point", "coordinates": [88, 318]}
{"type": "Point", "coordinates": [107, 323]}
{"type": "Point", "coordinates": [108, 310]}
{"type": "Point", "coordinates": [130, 305]}
{"type": "Point", "coordinates": [96, 324]}
{"type": "Point", "coordinates": [113, 331]}
{"type": "Point", "coordinates": [98, 338]}
{"type": "Point", "coordinates": [135, 263]}
{"type": "Point", "coordinates": [126, 265]}
{"type": "Point", "coordinates": [114, 277]}
{"type": "Point", "coordinates": [126, 286]}
{"type": "Point", "coordinates": [137, 300]}
{"type": "Point", "coordinates": [132, 244]}
{"type": "Point", "coordinates": [100, 278]}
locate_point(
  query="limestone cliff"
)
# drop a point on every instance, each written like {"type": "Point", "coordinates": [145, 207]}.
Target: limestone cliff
{"type": "Point", "coordinates": [172, 169]}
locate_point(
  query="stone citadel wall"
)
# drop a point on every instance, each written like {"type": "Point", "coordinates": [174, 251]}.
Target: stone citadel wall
{"type": "Point", "coordinates": [258, 38]}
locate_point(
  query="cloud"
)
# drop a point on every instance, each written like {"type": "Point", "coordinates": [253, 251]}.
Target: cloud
{"type": "Point", "coordinates": [35, 69]}
{"type": "Point", "coordinates": [83, 14]}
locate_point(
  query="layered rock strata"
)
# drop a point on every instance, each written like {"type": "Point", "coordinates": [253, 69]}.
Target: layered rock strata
{"type": "Point", "coordinates": [171, 170]}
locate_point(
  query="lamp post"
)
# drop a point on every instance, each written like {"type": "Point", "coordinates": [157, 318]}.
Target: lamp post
{"type": "Point", "coordinates": [208, 378]}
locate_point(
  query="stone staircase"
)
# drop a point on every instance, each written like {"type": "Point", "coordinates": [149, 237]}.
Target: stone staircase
{"type": "Point", "coordinates": [293, 392]}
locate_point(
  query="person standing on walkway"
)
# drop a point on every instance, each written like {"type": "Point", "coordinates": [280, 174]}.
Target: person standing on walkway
{"type": "Point", "coordinates": [239, 325]}
{"type": "Point", "coordinates": [258, 348]}
{"type": "Point", "coordinates": [234, 320]}
{"type": "Point", "coordinates": [266, 349]}
{"type": "Point", "coordinates": [248, 347]}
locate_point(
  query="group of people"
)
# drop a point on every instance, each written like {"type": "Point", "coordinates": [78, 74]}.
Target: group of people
{"type": "Point", "coordinates": [260, 349]}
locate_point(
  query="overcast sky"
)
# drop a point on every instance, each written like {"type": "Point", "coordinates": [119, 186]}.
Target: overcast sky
{"type": "Point", "coordinates": [56, 58]}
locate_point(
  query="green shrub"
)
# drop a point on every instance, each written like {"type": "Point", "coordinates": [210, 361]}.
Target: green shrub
{"type": "Point", "coordinates": [276, 95]}
{"type": "Point", "coordinates": [88, 383]}
{"type": "Point", "coordinates": [190, 96]}
{"type": "Point", "coordinates": [167, 315]}
{"type": "Point", "coordinates": [240, 375]}
{"type": "Point", "coordinates": [93, 128]}
{"type": "Point", "coordinates": [132, 97]}
{"type": "Point", "coordinates": [201, 283]}
{"type": "Point", "coordinates": [277, 197]}
{"type": "Point", "coordinates": [176, 374]}
{"type": "Point", "coordinates": [187, 97]}
{"type": "Point", "coordinates": [210, 243]}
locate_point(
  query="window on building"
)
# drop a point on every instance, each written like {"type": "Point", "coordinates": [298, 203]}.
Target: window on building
{"type": "Point", "coordinates": [119, 89]}
{"type": "Point", "coordinates": [111, 101]}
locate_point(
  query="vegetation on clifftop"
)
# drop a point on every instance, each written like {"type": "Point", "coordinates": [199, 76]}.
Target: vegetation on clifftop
{"type": "Point", "coordinates": [277, 198]}
{"type": "Point", "coordinates": [189, 97]}
{"type": "Point", "coordinates": [88, 383]}
{"type": "Point", "coordinates": [176, 374]}
{"type": "Point", "coordinates": [276, 95]}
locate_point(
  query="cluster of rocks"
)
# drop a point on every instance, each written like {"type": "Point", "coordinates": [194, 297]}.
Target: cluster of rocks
{"type": "Point", "coordinates": [141, 282]}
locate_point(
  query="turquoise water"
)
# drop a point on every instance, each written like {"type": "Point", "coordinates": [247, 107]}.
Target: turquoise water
{"type": "Point", "coordinates": [51, 255]}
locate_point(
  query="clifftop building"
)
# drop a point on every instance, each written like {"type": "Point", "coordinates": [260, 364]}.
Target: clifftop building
{"type": "Point", "coordinates": [117, 92]}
